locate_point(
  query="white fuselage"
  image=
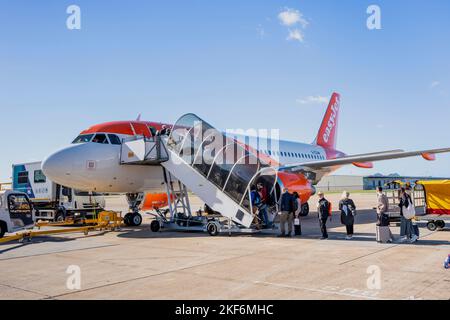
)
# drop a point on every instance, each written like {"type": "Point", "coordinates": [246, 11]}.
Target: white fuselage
{"type": "Point", "coordinates": [96, 167]}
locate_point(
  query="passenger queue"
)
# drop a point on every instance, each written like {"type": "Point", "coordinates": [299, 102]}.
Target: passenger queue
{"type": "Point", "coordinates": [289, 217]}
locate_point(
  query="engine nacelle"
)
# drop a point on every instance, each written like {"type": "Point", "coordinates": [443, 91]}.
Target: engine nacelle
{"type": "Point", "coordinates": [296, 182]}
{"type": "Point", "coordinates": [153, 201]}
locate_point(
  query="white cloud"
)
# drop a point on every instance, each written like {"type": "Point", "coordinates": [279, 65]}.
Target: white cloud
{"type": "Point", "coordinates": [290, 17]}
{"type": "Point", "coordinates": [434, 84]}
{"type": "Point", "coordinates": [295, 34]}
{"type": "Point", "coordinates": [313, 100]}
{"type": "Point", "coordinates": [293, 18]}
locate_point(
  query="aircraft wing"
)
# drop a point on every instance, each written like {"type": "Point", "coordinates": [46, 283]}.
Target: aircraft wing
{"type": "Point", "coordinates": [365, 158]}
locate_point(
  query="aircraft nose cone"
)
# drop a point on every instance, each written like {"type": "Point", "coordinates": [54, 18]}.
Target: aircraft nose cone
{"type": "Point", "coordinates": [57, 167]}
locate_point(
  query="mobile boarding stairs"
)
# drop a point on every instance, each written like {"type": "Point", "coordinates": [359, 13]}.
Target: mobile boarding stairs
{"type": "Point", "coordinates": [221, 177]}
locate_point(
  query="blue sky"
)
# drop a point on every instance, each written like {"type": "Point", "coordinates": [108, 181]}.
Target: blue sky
{"type": "Point", "coordinates": [230, 62]}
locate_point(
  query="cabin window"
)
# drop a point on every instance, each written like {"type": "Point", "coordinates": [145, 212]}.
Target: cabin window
{"type": "Point", "coordinates": [39, 176]}
{"type": "Point", "coordinates": [22, 177]}
{"type": "Point", "coordinates": [114, 139]}
{"type": "Point", "coordinates": [100, 138]}
{"type": "Point", "coordinates": [83, 138]}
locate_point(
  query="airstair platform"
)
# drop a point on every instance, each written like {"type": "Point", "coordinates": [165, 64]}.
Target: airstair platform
{"type": "Point", "coordinates": [143, 151]}
{"type": "Point", "coordinates": [218, 169]}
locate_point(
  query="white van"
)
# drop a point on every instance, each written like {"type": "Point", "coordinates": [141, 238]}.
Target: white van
{"type": "Point", "coordinates": [16, 212]}
{"type": "Point", "coordinates": [52, 201]}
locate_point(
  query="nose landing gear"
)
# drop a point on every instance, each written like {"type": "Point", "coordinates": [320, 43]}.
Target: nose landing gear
{"type": "Point", "coordinates": [133, 218]}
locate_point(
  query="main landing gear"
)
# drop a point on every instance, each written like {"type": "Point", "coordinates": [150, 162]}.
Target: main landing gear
{"type": "Point", "coordinates": [133, 218]}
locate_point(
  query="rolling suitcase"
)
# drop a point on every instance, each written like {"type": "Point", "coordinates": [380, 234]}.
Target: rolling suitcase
{"type": "Point", "coordinates": [384, 234]}
{"type": "Point", "coordinates": [297, 227]}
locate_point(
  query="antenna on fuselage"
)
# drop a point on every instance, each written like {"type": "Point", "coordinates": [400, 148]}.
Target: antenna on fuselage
{"type": "Point", "coordinates": [138, 117]}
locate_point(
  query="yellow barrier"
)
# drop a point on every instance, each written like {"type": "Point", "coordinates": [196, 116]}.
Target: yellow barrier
{"type": "Point", "coordinates": [106, 220]}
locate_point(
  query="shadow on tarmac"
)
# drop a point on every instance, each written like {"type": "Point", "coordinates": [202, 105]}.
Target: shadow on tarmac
{"type": "Point", "coordinates": [44, 239]}
{"type": "Point", "coordinates": [310, 228]}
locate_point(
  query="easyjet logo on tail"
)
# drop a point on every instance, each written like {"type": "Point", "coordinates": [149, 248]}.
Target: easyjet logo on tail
{"type": "Point", "coordinates": [326, 137]}
{"type": "Point", "coordinates": [332, 120]}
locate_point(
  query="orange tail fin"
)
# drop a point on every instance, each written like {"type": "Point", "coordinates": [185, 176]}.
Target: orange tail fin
{"type": "Point", "coordinates": [327, 135]}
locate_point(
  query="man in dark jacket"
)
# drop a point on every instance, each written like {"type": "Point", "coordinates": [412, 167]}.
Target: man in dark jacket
{"type": "Point", "coordinates": [287, 213]}
{"type": "Point", "coordinates": [323, 210]}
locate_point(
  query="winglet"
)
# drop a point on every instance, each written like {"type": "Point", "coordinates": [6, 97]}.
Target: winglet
{"type": "Point", "coordinates": [429, 156]}
{"type": "Point", "coordinates": [363, 165]}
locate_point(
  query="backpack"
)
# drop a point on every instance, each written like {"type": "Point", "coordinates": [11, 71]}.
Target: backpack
{"type": "Point", "coordinates": [294, 204]}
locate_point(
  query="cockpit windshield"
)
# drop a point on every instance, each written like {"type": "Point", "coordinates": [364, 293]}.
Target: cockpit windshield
{"type": "Point", "coordinates": [83, 138]}
{"type": "Point", "coordinates": [100, 138]}
{"type": "Point", "coordinates": [114, 139]}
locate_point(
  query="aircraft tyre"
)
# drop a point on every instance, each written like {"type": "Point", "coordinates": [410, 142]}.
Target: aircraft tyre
{"type": "Point", "coordinates": [126, 219]}
{"type": "Point", "coordinates": [135, 219]}
{"type": "Point", "coordinates": [305, 210]}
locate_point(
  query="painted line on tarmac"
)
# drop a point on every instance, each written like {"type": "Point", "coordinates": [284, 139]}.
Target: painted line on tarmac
{"type": "Point", "coordinates": [341, 292]}
{"type": "Point", "coordinates": [25, 290]}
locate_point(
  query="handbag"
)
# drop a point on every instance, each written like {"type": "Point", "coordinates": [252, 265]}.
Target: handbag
{"type": "Point", "coordinates": [409, 212]}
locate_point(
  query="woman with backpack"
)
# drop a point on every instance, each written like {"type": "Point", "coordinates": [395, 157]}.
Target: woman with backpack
{"type": "Point", "coordinates": [348, 209]}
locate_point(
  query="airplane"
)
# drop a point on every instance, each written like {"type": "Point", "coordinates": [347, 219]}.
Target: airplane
{"type": "Point", "coordinates": [92, 161]}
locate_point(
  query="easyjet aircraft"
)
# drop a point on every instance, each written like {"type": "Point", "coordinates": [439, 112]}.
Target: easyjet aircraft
{"type": "Point", "coordinates": [92, 161]}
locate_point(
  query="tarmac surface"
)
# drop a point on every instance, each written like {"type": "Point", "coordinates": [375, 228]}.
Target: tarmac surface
{"type": "Point", "coordinates": [135, 263]}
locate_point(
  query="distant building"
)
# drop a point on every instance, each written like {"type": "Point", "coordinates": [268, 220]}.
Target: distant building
{"type": "Point", "coordinates": [348, 182]}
